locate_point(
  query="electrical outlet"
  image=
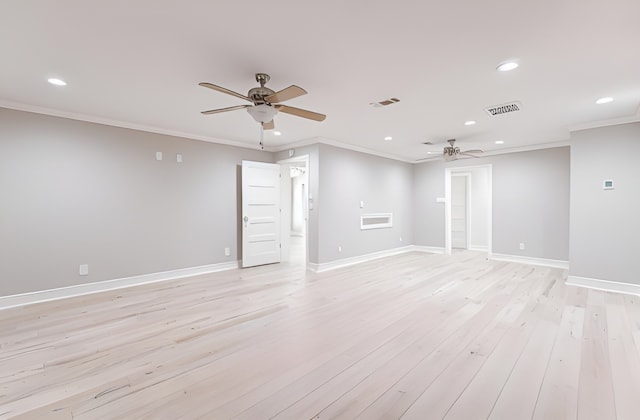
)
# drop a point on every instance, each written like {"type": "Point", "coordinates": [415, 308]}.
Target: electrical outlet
{"type": "Point", "coordinates": [401, 239]}
{"type": "Point", "coordinates": [83, 270]}
{"type": "Point", "coordinates": [179, 158]}
{"type": "Point", "coordinates": [339, 248]}
{"type": "Point", "coordinates": [227, 251]}
{"type": "Point", "coordinates": [158, 155]}
{"type": "Point", "coordinates": [521, 246]}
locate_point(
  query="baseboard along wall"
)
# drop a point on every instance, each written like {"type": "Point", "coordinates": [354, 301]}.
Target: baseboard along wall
{"type": "Point", "coordinates": [530, 260]}
{"type": "Point", "coordinates": [103, 286]}
{"type": "Point", "coordinates": [604, 285]}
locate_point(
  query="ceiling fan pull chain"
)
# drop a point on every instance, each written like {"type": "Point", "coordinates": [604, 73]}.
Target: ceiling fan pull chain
{"type": "Point", "coordinates": [261, 136]}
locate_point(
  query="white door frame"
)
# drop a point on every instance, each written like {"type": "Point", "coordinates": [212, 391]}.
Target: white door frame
{"type": "Point", "coordinates": [448, 173]}
{"type": "Point", "coordinates": [287, 163]}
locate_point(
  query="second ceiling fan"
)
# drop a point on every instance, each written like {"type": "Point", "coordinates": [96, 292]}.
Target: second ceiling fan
{"type": "Point", "coordinates": [265, 102]}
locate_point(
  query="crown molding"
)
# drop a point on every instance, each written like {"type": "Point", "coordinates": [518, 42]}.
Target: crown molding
{"type": "Point", "coordinates": [339, 144]}
{"type": "Point", "coordinates": [607, 123]}
{"type": "Point", "coordinates": [122, 124]}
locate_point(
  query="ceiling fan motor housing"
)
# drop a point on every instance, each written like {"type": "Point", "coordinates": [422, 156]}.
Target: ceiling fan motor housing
{"type": "Point", "coordinates": [258, 94]}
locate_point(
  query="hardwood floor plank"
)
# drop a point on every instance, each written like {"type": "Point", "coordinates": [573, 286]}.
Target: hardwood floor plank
{"type": "Point", "coordinates": [558, 396]}
{"type": "Point", "coordinates": [624, 359]}
{"type": "Point", "coordinates": [595, 393]}
{"type": "Point", "coordinates": [410, 336]}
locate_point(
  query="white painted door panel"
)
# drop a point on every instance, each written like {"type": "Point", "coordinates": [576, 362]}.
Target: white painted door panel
{"type": "Point", "coordinates": [260, 213]}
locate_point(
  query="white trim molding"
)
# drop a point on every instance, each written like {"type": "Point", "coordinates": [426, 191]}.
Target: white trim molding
{"type": "Point", "coordinates": [531, 260]}
{"type": "Point", "coordinates": [478, 248]}
{"type": "Point", "coordinates": [429, 249]}
{"type": "Point", "coordinates": [23, 299]}
{"type": "Point", "coordinates": [345, 262]}
{"type": "Point", "coordinates": [605, 285]}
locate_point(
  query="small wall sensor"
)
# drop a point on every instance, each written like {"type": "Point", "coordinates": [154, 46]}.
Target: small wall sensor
{"type": "Point", "coordinates": [607, 184]}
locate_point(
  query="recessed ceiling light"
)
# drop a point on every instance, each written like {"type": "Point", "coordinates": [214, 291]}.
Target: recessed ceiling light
{"type": "Point", "coordinates": [277, 133]}
{"type": "Point", "coordinates": [507, 66]}
{"type": "Point", "coordinates": [604, 100]}
{"type": "Point", "coordinates": [470, 122]}
{"type": "Point", "coordinates": [388, 138]}
{"type": "Point", "coordinates": [499, 142]}
{"type": "Point", "coordinates": [57, 82]}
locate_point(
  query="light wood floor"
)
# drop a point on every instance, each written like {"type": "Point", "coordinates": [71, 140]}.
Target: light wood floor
{"type": "Point", "coordinates": [415, 336]}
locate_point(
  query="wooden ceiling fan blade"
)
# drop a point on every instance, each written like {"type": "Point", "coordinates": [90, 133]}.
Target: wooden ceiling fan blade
{"type": "Point", "coordinates": [466, 155]}
{"type": "Point", "coordinates": [285, 94]}
{"type": "Point", "coordinates": [224, 90]}
{"type": "Point", "coordinates": [473, 151]}
{"type": "Point", "coordinates": [231, 108]}
{"type": "Point", "coordinates": [269, 125]}
{"type": "Point", "coordinates": [301, 112]}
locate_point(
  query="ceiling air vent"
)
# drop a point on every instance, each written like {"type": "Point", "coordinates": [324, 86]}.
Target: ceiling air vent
{"type": "Point", "coordinates": [504, 108]}
{"type": "Point", "coordinates": [385, 102]}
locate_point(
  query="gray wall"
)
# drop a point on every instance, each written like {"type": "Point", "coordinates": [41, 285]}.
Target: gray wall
{"type": "Point", "coordinates": [81, 193]}
{"type": "Point", "coordinates": [348, 177]}
{"type": "Point", "coordinates": [428, 215]}
{"type": "Point", "coordinates": [530, 202]}
{"type": "Point", "coordinates": [604, 223]}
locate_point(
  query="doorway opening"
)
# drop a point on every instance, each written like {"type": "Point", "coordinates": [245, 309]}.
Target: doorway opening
{"type": "Point", "coordinates": [294, 188]}
{"type": "Point", "coordinates": [468, 210]}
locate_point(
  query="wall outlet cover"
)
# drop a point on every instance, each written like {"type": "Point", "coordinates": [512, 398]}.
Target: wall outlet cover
{"type": "Point", "coordinates": [83, 269]}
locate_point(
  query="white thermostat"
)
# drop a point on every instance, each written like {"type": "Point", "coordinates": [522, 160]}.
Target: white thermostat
{"type": "Point", "coordinates": [607, 184]}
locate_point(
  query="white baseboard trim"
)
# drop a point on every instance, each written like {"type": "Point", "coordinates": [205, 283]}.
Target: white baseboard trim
{"type": "Point", "coordinates": [429, 249]}
{"type": "Point", "coordinates": [478, 248]}
{"type": "Point", "coordinates": [530, 260]}
{"type": "Point", "coordinates": [345, 262]}
{"type": "Point", "coordinates": [605, 285]}
{"type": "Point", "coordinates": [23, 299]}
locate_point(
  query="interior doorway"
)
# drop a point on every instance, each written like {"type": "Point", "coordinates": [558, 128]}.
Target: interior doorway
{"type": "Point", "coordinates": [294, 189]}
{"type": "Point", "coordinates": [468, 209]}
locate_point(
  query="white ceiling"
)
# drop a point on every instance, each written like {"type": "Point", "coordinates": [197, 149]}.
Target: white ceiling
{"type": "Point", "coordinates": [138, 63]}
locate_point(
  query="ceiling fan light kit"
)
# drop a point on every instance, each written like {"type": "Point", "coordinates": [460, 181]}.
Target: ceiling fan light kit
{"type": "Point", "coordinates": [262, 113]}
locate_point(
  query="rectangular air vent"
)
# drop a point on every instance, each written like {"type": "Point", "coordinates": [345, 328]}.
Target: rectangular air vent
{"type": "Point", "coordinates": [385, 102]}
{"type": "Point", "coordinates": [504, 108]}
{"type": "Point", "coordinates": [376, 221]}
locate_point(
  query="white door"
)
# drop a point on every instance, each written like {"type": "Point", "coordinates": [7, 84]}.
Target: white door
{"type": "Point", "coordinates": [260, 213]}
{"type": "Point", "coordinates": [459, 211]}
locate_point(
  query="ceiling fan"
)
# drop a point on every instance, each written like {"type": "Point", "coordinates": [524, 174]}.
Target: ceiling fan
{"type": "Point", "coordinates": [452, 152]}
{"type": "Point", "coordinates": [265, 102]}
